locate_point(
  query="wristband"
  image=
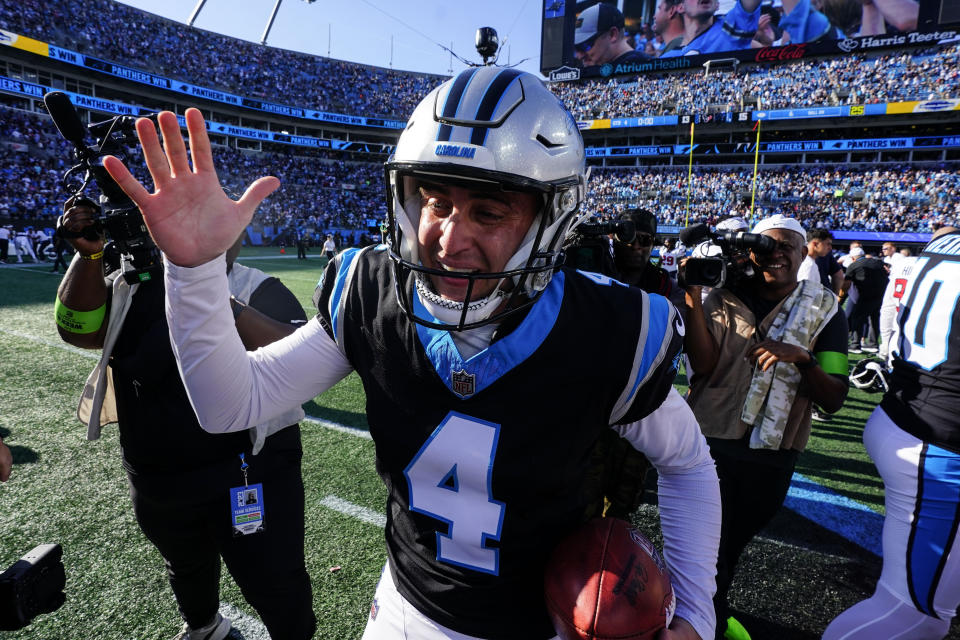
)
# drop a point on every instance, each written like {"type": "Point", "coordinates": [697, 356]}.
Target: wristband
{"type": "Point", "coordinates": [79, 321]}
{"type": "Point", "coordinates": [92, 256]}
{"type": "Point", "coordinates": [803, 366]}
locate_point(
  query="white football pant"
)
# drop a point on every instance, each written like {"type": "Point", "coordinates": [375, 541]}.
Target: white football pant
{"type": "Point", "coordinates": [919, 587]}
{"type": "Point", "coordinates": [393, 618]}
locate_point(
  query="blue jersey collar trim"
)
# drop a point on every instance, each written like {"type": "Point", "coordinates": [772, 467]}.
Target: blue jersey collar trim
{"type": "Point", "coordinates": [469, 377]}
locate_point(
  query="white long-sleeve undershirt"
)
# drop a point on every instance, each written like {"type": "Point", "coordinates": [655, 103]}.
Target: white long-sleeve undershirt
{"type": "Point", "coordinates": [231, 389]}
{"type": "Point", "coordinates": [689, 499]}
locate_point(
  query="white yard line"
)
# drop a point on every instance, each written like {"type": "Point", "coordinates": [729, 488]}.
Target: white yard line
{"type": "Point", "coordinates": [355, 511]}
{"type": "Point", "coordinates": [336, 426]}
{"type": "Point", "coordinates": [92, 355]}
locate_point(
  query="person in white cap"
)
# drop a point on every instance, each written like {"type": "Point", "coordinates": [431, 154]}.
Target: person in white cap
{"type": "Point", "coordinates": [762, 354]}
{"type": "Point", "coordinates": [600, 38]}
{"type": "Point", "coordinates": [855, 251]}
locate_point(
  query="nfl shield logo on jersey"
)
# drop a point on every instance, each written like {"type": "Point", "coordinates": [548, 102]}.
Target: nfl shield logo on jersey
{"type": "Point", "coordinates": [463, 383]}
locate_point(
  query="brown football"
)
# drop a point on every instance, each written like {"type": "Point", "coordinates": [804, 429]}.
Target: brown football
{"type": "Point", "coordinates": [607, 581]}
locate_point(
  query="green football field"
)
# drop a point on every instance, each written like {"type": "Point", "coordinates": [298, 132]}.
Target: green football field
{"type": "Point", "coordinates": [68, 490]}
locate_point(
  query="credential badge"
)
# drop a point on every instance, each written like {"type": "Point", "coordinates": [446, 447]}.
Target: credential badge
{"type": "Point", "coordinates": [463, 383]}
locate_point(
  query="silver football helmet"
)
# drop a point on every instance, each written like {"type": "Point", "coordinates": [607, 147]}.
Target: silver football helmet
{"type": "Point", "coordinates": [487, 128]}
{"type": "Point", "coordinates": [870, 375]}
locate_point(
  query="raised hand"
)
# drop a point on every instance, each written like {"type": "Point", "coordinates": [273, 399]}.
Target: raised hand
{"type": "Point", "coordinates": [189, 216]}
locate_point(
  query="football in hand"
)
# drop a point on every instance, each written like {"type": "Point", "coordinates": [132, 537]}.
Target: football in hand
{"type": "Point", "coordinates": [607, 580]}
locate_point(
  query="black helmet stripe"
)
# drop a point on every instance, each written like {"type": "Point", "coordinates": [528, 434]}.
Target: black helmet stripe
{"type": "Point", "coordinates": [452, 103]}
{"type": "Point", "coordinates": [488, 105]}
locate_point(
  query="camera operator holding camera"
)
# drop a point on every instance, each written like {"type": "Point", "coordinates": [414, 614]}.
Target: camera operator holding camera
{"type": "Point", "coordinates": [189, 488]}
{"type": "Point", "coordinates": [762, 351]}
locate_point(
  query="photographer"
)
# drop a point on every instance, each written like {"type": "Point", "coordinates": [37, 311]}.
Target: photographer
{"type": "Point", "coordinates": [181, 477]}
{"type": "Point", "coordinates": [763, 352]}
{"type": "Point", "coordinates": [632, 259]}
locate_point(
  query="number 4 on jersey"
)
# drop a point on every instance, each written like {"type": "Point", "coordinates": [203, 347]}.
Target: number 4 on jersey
{"type": "Point", "coordinates": [450, 479]}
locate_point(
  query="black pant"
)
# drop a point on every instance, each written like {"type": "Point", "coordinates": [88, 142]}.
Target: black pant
{"type": "Point", "coordinates": [4, 249]}
{"type": "Point", "coordinates": [864, 310]}
{"type": "Point", "coordinates": [187, 515]}
{"type": "Point", "coordinates": [59, 259]}
{"type": "Point", "coordinates": [751, 493]}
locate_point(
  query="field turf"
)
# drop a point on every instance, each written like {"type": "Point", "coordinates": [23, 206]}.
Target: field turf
{"type": "Point", "coordinates": [801, 572]}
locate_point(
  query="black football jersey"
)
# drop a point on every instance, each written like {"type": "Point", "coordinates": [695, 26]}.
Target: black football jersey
{"type": "Point", "coordinates": [924, 391]}
{"type": "Point", "coordinates": [484, 458]}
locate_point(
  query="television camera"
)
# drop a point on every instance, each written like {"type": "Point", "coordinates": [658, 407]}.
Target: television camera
{"type": "Point", "coordinates": [731, 266]}
{"type": "Point", "coordinates": [118, 219]}
{"type": "Point", "coordinates": [487, 42]}
{"type": "Point", "coordinates": [587, 247]}
{"type": "Point", "coordinates": [32, 585]}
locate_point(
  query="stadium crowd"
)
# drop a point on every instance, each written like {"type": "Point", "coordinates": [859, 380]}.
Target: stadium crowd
{"type": "Point", "coordinates": [885, 78]}
{"type": "Point", "coordinates": [317, 191]}
{"type": "Point", "coordinates": [838, 197]}
{"type": "Point", "coordinates": [322, 192]}
{"type": "Point", "coordinates": [117, 32]}
{"type": "Point", "coordinates": [121, 33]}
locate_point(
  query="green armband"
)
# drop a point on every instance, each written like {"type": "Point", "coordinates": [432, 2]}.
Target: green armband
{"type": "Point", "coordinates": [834, 362]}
{"type": "Point", "coordinates": [79, 321]}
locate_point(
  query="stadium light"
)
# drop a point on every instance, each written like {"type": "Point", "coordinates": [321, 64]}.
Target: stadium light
{"type": "Point", "coordinates": [196, 11]}
{"type": "Point", "coordinates": [273, 15]}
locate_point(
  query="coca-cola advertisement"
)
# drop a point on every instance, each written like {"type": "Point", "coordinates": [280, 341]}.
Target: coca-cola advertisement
{"type": "Point", "coordinates": [615, 37]}
{"type": "Point", "coordinates": [786, 52]}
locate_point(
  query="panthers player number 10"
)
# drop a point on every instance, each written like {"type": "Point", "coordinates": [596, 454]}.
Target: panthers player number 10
{"type": "Point", "coordinates": [933, 294]}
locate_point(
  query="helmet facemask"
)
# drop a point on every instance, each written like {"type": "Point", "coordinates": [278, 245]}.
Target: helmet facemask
{"type": "Point", "coordinates": [521, 280]}
{"type": "Point", "coordinates": [869, 375]}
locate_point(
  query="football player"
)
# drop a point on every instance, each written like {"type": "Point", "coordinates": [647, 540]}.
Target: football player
{"type": "Point", "coordinates": [489, 371]}
{"type": "Point", "coordinates": [900, 271]}
{"type": "Point", "coordinates": [914, 439]}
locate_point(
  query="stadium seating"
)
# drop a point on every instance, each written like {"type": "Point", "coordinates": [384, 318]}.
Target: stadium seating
{"type": "Point", "coordinates": [345, 195]}
{"type": "Point", "coordinates": [899, 199]}
{"type": "Point", "coordinates": [33, 158]}
{"type": "Point", "coordinates": [892, 77]}
{"type": "Point", "coordinates": [120, 33]}
{"type": "Point", "coordinates": [136, 38]}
